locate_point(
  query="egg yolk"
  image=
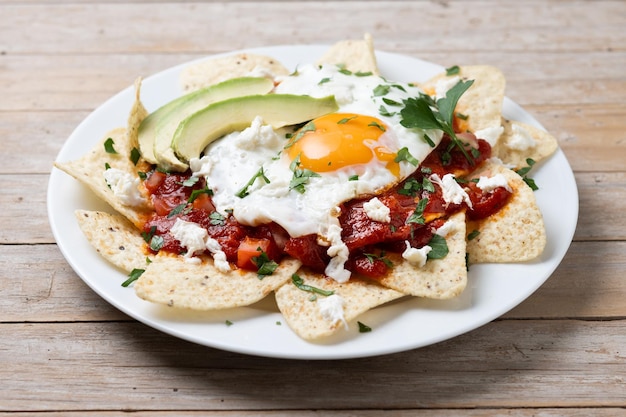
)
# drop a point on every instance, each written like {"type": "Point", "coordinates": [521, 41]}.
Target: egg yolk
{"type": "Point", "coordinates": [338, 140]}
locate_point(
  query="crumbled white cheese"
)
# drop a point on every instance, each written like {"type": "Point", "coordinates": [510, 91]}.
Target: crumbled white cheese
{"type": "Point", "coordinates": [219, 257]}
{"type": "Point", "coordinates": [338, 252]}
{"type": "Point", "coordinates": [190, 235]}
{"type": "Point", "coordinates": [488, 184]}
{"type": "Point", "coordinates": [377, 211]}
{"type": "Point", "coordinates": [258, 135]}
{"type": "Point", "coordinates": [196, 238]}
{"type": "Point", "coordinates": [520, 139]}
{"type": "Point", "coordinates": [201, 167]}
{"type": "Point", "coordinates": [416, 256]}
{"type": "Point", "coordinates": [490, 134]}
{"type": "Point", "coordinates": [448, 227]}
{"type": "Point", "coordinates": [331, 308]}
{"type": "Point", "coordinates": [452, 191]}
{"type": "Point", "coordinates": [124, 186]}
{"type": "Point", "coordinates": [442, 86]}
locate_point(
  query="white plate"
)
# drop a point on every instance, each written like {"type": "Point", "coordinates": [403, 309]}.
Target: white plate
{"type": "Point", "coordinates": [259, 329]}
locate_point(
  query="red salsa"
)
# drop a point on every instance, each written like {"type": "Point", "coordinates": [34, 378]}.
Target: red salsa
{"type": "Point", "coordinates": [417, 209]}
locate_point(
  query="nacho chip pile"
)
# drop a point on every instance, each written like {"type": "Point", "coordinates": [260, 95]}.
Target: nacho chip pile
{"type": "Point", "coordinates": [314, 305]}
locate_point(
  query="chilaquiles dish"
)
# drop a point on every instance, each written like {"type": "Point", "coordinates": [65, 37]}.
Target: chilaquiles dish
{"type": "Point", "coordinates": [328, 186]}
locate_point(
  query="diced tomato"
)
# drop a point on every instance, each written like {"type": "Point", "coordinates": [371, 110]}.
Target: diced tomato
{"type": "Point", "coordinates": [154, 181]}
{"type": "Point", "coordinates": [204, 202]}
{"type": "Point", "coordinates": [249, 248]}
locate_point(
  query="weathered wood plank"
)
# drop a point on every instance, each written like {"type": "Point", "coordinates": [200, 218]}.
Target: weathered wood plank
{"type": "Point", "coordinates": [82, 82]}
{"type": "Point", "coordinates": [126, 366]}
{"type": "Point", "coordinates": [505, 412]}
{"type": "Point", "coordinates": [70, 28]}
{"type": "Point", "coordinates": [39, 285]}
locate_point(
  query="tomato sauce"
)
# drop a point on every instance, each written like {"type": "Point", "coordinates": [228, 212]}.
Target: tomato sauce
{"type": "Point", "coordinates": [179, 195]}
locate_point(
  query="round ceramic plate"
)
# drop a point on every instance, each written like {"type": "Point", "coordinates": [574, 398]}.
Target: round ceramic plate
{"type": "Point", "coordinates": [493, 289]}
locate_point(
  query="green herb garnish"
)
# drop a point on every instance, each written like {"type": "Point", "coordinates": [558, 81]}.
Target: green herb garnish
{"type": "Point", "coordinates": [404, 155]}
{"type": "Point", "coordinates": [259, 174]}
{"type": "Point", "coordinates": [299, 282]}
{"type": "Point", "coordinates": [217, 219]}
{"type": "Point", "coordinates": [108, 146]}
{"type": "Point", "coordinates": [300, 176]}
{"type": "Point", "coordinates": [134, 156]}
{"type": "Point", "coordinates": [439, 247]}
{"type": "Point", "coordinates": [453, 70]}
{"type": "Point", "coordinates": [425, 113]}
{"type": "Point", "coordinates": [417, 216]}
{"type": "Point", "coordinates": [265, 266]}
{"type": "Point", "coordinates": [364, 328]}
{"type": "Point", "coordinates": [473, 234]}
{"type": "Point", "coordinates": [133, 276]}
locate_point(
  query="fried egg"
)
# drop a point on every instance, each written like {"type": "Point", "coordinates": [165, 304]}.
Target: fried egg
{"type": "Point", "coordinates": [299, 178]}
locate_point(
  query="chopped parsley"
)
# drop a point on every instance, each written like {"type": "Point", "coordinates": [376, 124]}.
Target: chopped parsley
{"type": "Point", "coordinates": [133, 276]}
{"type": "Point", "coordinates": [108, 146]}
{"type": "Point", "coordinates": [364, 328]}
{"type": "Point", "coordinates": [259, 174]}
{"type": "Point", "coordinates": [523, 171]}
{"type": "Point", "coordinates": [439, 247]}
{"type": "Point", "coordinates": [425, 113]}
{"type": "Point", "coordinates": [453, 70]}
{"type": "Point", "coordinates": [346, 120]}
{"type": "Point", "coordinates": [134, 156]}
{"type": "Point", "coordinates": [417, 216]}
{"type": "Point", "coordinates": [265, 266]}
{"type": "Point", "coordinates": [381, 90]}
{"type": "Point", "coordinates": [300, 176]}
{"type": "Point", "coordinates": [181, 208]}
{"type": "Point", "coordinates": [217, 219]}
{"type": "Point", "coordinates": [197, 193]}
{"type": "Point", "coordinates": [299, 282]}
{"type": "Point", "coordinates": [473, 234]}
{"type": "Point", "coordinates": [371, 257]}
{"type": "Point", "coordinates": [405, 155]}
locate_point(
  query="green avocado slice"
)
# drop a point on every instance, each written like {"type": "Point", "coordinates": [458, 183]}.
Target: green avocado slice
{"type": "Point", "coordinates": [214, 121]}
{"type": "Point", "coordinates": [156, 130]}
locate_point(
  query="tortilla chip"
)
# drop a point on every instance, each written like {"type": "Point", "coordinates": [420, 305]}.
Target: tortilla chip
{"type": "Point", "coordinates": [212, 71]}
{"type": "Point", "coordinates": [172, 281]}
{"type": "Point", "coordinates": [516, 233]}
{"type": "Point", "coordinates": [482, 102]}
{"type": "Point", "coordinates": [89, 170]}
{"type": "Point", "coordinates": [440, 278]}
{"type": "Point", "coordinates": [114, 237]}
{"type": "Point", "coordinates": [355, 55]}
{"type": "Point", "coordinates": [137, 113]}
{"type": "Point", "coordinates": [303, 315]}
{"type": "Point", "coordinates": [544, 144]}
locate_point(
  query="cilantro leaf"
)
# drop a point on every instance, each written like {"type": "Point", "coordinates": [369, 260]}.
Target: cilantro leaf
{"type": "Point", "coordinates": [259, 174]}
{"type": "Point", "coordinates": [299, 282]}
{"type": "Point", "coordinates": [448, 103]}
{"type": "Point", "coordinates": [133, 276]}
{"type": "Point", "coordinates": [265, 266]}
{"type": "Point", "coordinates": [439, 247]}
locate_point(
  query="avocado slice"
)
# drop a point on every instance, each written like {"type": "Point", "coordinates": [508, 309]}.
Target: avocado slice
{"type": "Point", "coordinates": [156, 130]}
{"type": "Point", "coordinates": [214, 121]}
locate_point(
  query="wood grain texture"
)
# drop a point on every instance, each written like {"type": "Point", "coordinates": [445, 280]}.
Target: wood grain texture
{"type": "Point", "coordinates": [66, 351]}
{"type": "Point", "coordinates": [506, 363]}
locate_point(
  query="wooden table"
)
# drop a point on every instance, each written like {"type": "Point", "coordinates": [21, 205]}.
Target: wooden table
{"type": "Point", "coordinates": [64, 350]}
